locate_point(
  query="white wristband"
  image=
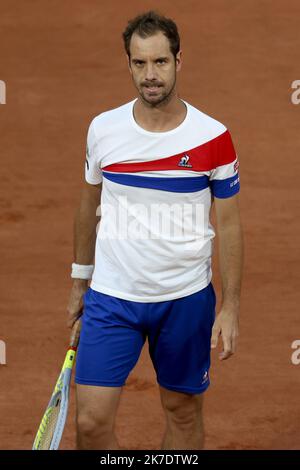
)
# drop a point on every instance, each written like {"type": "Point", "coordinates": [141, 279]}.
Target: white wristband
{"type": "Point", "coordinates": [82, 271]}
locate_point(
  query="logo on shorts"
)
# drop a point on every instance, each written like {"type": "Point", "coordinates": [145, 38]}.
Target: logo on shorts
{"type": "Point", "coordinates": [233, 183]}
{"type": "Point", "coordinates": [184, 162]}
{"type": "Point", "coordinates": [205, 377]}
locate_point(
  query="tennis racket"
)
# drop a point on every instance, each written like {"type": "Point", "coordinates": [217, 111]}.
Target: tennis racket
{"type": "Point", "coordinates": [53, 422]}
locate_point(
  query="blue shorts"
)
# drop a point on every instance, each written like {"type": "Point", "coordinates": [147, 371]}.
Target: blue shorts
{"type": "Point", "coordinates": [114, 331]}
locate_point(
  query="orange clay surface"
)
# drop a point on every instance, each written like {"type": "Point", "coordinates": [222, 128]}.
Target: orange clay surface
{"type": "Point", "coordinates": [63, 62]}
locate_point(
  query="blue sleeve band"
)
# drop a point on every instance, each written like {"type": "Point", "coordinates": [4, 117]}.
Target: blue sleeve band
{"type": "Point", "coordinates": [225, 188]}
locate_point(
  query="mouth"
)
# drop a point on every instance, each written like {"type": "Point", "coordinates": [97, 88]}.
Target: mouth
{"type": "Point", "coordinates": [152, 89]}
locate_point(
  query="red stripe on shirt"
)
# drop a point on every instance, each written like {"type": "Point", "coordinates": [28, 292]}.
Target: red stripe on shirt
{"type": "Point", "coordinates": [205, 157]}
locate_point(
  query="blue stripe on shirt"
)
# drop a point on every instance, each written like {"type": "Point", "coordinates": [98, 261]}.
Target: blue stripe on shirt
{"type": "Point", "coordinates": [182, 184]}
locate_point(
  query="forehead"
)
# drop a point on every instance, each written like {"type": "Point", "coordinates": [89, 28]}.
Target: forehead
{"type": "Point", "coordinates": [157, 44]}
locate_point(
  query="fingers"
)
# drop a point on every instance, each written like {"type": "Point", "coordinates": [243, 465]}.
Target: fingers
{"type": "Point", "coordinates": [72, 319]}
{"type": "Point", "coordinates": [229, 343]}
{"type": "Point", "coordinates": [228, 339]}
{"type": "Point", "coordinates": [74, 312]}
{"type": "Point", "coordinates": [227, 326]}
{"type": "Point", "coordinates": [75, 333]}
{"type": "Point", "coordinates": [215, 335]}
{"type": "Point", "coordinates": [227, 347]}
{"type": "Point", "coordinates": [75, 307]}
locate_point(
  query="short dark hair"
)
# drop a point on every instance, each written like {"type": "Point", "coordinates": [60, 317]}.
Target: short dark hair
{"type": "Point", "coordinates": [148, 24]}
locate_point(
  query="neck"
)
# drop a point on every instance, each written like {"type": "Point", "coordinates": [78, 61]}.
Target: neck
{"type": "Point", "coordinates": [161, 114]}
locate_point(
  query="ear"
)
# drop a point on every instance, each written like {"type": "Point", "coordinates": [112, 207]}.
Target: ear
{"type": "Point", "coordinates": [178, 60]}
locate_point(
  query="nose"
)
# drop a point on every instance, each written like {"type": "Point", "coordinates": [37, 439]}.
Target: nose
{"type": "Point", "coordinates": [150, 72]}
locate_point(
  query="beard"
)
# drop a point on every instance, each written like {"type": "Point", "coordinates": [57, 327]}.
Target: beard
{"type": "Point", "coordinates": [160, 98]}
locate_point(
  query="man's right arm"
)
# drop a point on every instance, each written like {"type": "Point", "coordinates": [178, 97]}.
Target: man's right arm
{"type": "Point", "coordinates": [84, 240]}
{"type": "Point", "coordinates": [85, 223]}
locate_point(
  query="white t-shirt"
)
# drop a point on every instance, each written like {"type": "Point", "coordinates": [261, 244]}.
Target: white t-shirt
{"type": "Point", "coordinates": [154, 240]}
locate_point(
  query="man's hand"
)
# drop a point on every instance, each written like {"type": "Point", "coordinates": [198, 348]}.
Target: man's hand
{"type": "Point", "coordinates": [226, 324]}
{"type": "Point", "coordinates": [75, 306]}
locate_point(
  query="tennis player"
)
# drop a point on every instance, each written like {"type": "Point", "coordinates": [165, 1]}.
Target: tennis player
{"type": "Point", "coordinates": [154, 167]}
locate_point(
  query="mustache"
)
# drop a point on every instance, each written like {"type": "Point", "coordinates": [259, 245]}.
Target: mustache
{"type": "Point", "coordinates": [151, 84]}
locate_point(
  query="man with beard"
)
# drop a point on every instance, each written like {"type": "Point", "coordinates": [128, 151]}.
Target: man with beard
{"type": "Point", "coordinates": [158, 164]}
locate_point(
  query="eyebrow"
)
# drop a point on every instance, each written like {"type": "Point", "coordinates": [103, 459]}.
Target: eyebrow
{"type": "Point", "coordinates": [141, 60]}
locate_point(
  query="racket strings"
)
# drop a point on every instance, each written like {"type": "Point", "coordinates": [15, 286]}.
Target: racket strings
{"type": "Point", "coordinates": [48, 425]}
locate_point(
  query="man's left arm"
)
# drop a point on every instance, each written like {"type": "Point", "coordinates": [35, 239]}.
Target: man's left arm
{"type": "Point", "coordinates": [231, 264]}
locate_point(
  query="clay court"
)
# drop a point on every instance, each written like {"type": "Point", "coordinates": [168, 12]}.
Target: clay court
{"type": "Point", "coordinates": [63, 63]}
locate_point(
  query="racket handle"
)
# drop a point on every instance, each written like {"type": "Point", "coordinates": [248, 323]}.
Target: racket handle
{"type": "Point", "coordinates": [75, 333]}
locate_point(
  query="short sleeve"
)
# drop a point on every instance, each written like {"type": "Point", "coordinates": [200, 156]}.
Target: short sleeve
{"type": "Point", "coordinates": [93, 173]}
{"type": "Point", "coordinates": [224, 176]}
